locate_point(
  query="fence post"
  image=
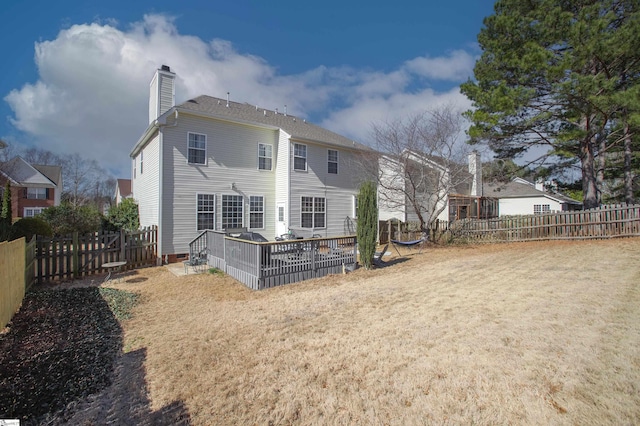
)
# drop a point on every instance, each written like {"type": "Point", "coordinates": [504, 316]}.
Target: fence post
{"type": "Point", "coordinates": [123, 254]}
{"type": "Point", "coordinates": [74, 260]}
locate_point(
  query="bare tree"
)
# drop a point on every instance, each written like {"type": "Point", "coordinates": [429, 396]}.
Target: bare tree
{"type": "Point", "coordinates": [420, 161]}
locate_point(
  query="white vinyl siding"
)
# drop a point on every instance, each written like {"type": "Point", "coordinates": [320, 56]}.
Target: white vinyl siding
{"type": "Point", "coordinates": [232, 211]}
{"type": "Point", "coordinates": [299, 157]}
{"type": "Point", "coordinates": [265, 156]}
{"type": "Point", "coordinates": [206, 211]}
{"type": "Point", "coordinates": [146, 187]}
{"type": "Point", "coordinates": [256, 212]}
{"type": "Point", "coordinates": [197, 149]}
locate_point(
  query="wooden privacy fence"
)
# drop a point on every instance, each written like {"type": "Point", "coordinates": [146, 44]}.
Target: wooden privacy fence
{"type": "Point", "coordinates": [603, 222]}
{"type": "Point", "coordinates": [75, 256]}
{"type": "Point", "coordinates": [261, 265]}
{"type": "Point", "coordinates": [12, 278]}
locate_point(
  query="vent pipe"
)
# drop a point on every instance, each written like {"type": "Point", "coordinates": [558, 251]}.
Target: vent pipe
{"type": "Point", "coordinates": [285, 110]}
{"type": "Point", "coordinates": [227, 99]}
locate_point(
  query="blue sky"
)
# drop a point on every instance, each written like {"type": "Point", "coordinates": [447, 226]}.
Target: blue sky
{"type": "Point", "coordinates": [76, 74]}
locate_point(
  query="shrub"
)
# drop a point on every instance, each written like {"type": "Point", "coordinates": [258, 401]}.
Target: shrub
{"type": "Point", "coordinates": [29, 226]}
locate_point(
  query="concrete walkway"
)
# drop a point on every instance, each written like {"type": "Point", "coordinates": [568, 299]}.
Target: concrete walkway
{"type": "Point", "coordinates": [178, 269]}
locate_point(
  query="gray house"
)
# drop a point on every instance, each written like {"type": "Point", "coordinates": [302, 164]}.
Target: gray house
{"type": "Point", "coordinates": [210, 163]}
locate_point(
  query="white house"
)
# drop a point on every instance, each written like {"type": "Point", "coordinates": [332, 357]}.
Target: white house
{"type": "Point", "coordinates": [445, 190]}
{"type": "Point", "coordinates": [521, 197]}
{"type": "Point", "coordinates": [211, 163]}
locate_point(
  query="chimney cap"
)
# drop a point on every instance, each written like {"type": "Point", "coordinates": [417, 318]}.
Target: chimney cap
{"type": "Point", "coordinates": [165, 68]}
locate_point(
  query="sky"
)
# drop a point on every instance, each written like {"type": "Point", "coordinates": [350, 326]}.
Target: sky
{"type": "Point", "coordinates": [76, 74]}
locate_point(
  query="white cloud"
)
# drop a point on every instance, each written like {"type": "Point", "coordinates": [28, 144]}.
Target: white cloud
{"type": "Point", "coordinates": [92, 93]}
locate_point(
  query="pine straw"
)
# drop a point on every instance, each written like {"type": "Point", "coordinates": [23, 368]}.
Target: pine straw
{"type": "Point", "coordinates": [535, 333]}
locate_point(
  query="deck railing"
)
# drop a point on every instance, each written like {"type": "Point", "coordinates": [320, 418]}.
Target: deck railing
{"type": "Point", "coordinates": [268, 264]}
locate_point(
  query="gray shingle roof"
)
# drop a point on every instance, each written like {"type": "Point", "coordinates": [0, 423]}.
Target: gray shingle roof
{"type": "Point", "coordinates": [517, 190]}
{"type": "Point", "coordinates": [297, 127]}
{"type": "Point", "coordinates": [53, 173]}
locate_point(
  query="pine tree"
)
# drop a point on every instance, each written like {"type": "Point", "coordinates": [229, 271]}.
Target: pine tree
{"type": "Point", "coordinates": [561, 74]}
{"type": "Point", "coordinates": [367, 228]}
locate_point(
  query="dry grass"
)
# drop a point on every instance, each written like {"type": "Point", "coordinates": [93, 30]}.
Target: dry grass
{"type": "Point", "coordinates": [535, 333]}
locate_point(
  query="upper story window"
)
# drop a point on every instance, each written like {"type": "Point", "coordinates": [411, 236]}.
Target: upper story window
{"type": "Point", "coordinates": [265, 156]}
{"type": "Point", "coordinates": [197, 149]}
{"type": "Point", "coordinates": [134, 168]}
{"type": "Point", "coordinates": [141, 160]}
{"type": "Point", "coordinates": [299, 157]}
{"type": "Point", "coordinates": [37, 193]}
{"type": "Point", "coordinates": [332, 163]}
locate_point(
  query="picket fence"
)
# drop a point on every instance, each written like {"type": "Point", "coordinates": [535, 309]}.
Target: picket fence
{"type": "Point", "coordinates": [604, 222]}
{"type": "Point", "coordinates": [75, 256]}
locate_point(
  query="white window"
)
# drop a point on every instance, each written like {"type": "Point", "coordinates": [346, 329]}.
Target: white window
{"type": "Point", "coordinates": [232, 211]}
{"type": "Point", "coordinates": [280, 213]}
{"type": "Point", "coordinates": [541, 208]}
{"type": "Point", "coordinates": [265, 156]}
{"type": "Point", "coordinates": [37, 193]}
{"type": "Point", "coordinates": [197, 149]}
{"type": "Point", "coordinates": [141, 160]}
{"type": "Point", "coordinates": [206, 211]}
{"type": "Point", "coordinates": [134, 168]}
{"type": "Point", "coordinates": [299, 157]}
{"type": "Point", "coordinates": [332, 164]}
{"type": "Point", "coordinates": [256, 212]}
{"type": "Point", "coordinates": [32, 211]}
{"type": "Point", "coordinates": [313, 212]}
{"type": "Point", "coordinates": [355, 206]}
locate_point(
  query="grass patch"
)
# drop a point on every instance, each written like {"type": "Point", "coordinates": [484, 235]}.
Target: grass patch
{"type": "Point", "coordinates": [216, 271]}
{"type": "Point", "coordinates": [120, 302]}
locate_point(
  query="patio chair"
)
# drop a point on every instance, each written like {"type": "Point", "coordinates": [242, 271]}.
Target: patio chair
{"type": "Point", "coordinates": [377, 256]}
{"type": "Point", "coordinates": [198, 261]}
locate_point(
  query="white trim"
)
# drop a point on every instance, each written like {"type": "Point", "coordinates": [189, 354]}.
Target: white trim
{"type": "Point", "coordinates": [313, 212]}
{"type": "Point", "coordinates": [222, 209]}
{"type": "Point", "coordinates": [270, 157]}
{"type": "Point", "coordinates": [337, 161]}
{"type": "Point", "coordinates": [306, 158]}
{"type": "Point", "coordinates": [36, 211]}
{"type": "Point", "coordinates": [199, 149]}
{"type": "Point", "coordinates": [264, 211]}
{"type": "Point", "coordinates": [198, 194]}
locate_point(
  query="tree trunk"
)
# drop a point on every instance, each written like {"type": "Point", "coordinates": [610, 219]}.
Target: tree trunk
{"type": "Point", "coordinates": [589, 186]}
{"type": "Point", "coordinates": [628, 171]}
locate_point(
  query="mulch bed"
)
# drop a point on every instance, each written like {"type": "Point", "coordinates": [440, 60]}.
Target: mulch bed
{"type": "Point", "coordinates": [59, 348]}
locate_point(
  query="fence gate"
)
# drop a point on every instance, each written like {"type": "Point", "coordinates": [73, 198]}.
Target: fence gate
{"type": "Point", "coordinates": [75, 256]}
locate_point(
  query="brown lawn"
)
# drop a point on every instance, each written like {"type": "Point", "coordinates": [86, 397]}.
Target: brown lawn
{"type": "Point", "coordinates": [530, 333]}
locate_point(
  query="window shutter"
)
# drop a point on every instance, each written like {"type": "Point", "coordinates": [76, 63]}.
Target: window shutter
{"type": "Point", "coordinates": [48, 192]}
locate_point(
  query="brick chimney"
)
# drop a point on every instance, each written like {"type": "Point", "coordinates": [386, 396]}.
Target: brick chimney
{"type": "Point", "coordinates": [475, 169]}
{"type": "Point", "coordinates": [162, 92]}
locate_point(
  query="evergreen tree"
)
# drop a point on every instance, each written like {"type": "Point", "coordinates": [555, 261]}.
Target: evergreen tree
{"type": "Point", "coordinates": [5, 215]}
{"type": "Point", "coordinates": [367, 228]}
{"type": "Point", "coordinates": [562, 74]}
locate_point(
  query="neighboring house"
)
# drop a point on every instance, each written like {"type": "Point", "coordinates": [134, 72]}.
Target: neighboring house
{"type": "Point", "coordinates": [521, 197]}
{"type": "Point", "coordinates": [210, 163]}
{"type": "Point", "coordinates": [453, 191]}
{"type": "Point", "coordinates": [123, 190]}
{"type": "Point", "coordinates": [33, 187]}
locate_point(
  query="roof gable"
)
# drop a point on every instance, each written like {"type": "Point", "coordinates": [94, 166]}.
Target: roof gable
{"type": "Point", "coordinates": [24, 174]}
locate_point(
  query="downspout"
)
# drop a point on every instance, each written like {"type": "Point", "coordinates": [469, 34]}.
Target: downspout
{"type": "Point", "coordinates": [160, 178]}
